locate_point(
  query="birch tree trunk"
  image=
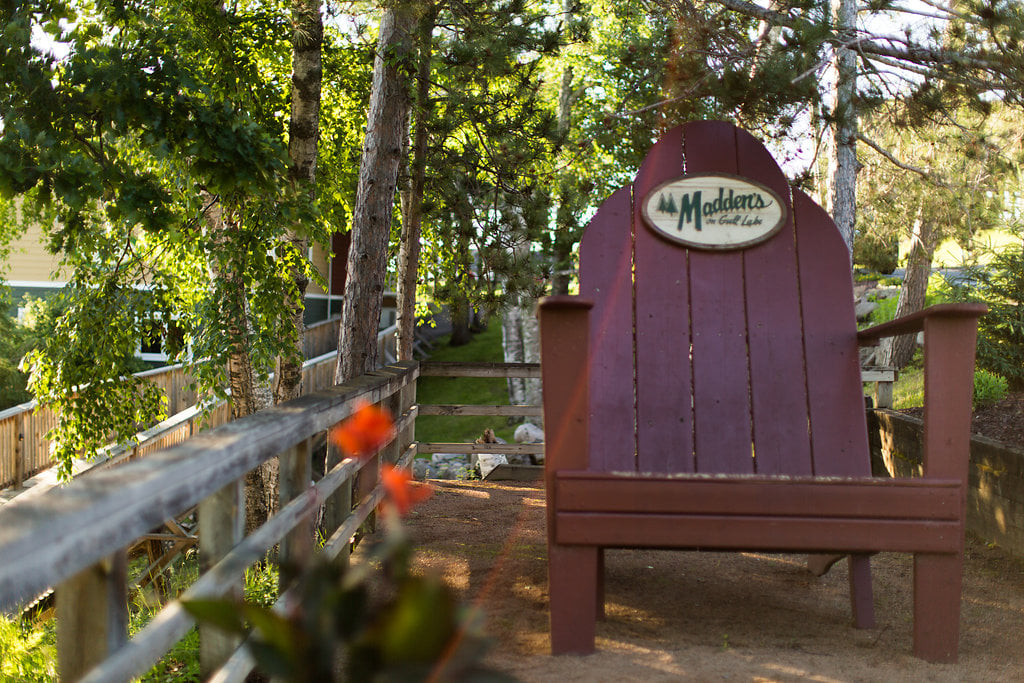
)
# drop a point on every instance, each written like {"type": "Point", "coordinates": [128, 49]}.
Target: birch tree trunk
{"type": "Point", "coordinates": [842, 170]}
{"type": "Point", "coordinates": [563, 238]}
{"type": "Point", "coordinates": [512, 347]}
{"type": "Point", "coordinates": [303, 136]}
{"type": "Point", "coordinates": [247, 394]}
{"type": "Point", "coordinates": [375, 194]}
{"type": "Point", "coordinates": [412, 201]}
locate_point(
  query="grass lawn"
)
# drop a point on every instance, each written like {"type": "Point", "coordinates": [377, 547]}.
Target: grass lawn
{"type": "Point", "coordinates": [485, 348]}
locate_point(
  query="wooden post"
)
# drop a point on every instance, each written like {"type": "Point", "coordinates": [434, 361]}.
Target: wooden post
{"type": "Point", "coordinates": [19, 452]}
{"type": "Point", "coordinates": [296, 474]}
{"type": "Point", "coordinates": [92, 616]}
{"type": "Point", "coordinates": [883, 394]}
{"type": "Point", "coordinates": [339, 505]}
{"type": "Point", "coordinates": [221, 527]}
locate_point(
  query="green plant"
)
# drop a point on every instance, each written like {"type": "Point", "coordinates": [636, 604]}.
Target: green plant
{"type": "Point", "coordinates": [880, 254]}
{"type": "Point", "coordinates": [28, 652]}
{"type": "Point", "coordinates": [989, 388]}
{"type": "Point", "coordinates": [1000, 284]}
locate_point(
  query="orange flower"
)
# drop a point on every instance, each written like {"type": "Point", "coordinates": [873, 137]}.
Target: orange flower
{"type": "Point", "coordinates": [364, 432]}
{"type": "Point", "coordinates": [400, 489]}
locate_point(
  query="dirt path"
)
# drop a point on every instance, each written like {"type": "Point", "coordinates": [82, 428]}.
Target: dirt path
{"type": "Point", "coordinates": [706, 616]}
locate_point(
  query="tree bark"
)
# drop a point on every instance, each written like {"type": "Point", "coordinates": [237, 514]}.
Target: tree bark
{"type": "Point", "coordinates": [412, 204]}
{"type": "Point", "coordinates": [512, 347]}
{"type": "Point", "coordinates": [563, 237]}
{"type": "Point", "coordinates": [912, 294]}
{"type": "Point", "coordinates": [843, 161]}
{"type": "Point", "coordinates": [247, 394]}
{"type": "Point", "coordinates": [303, 137]}
{"type": "Point", "coordinates": [375, 195]}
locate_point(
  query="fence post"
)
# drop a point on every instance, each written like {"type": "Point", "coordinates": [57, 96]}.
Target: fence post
{"type": "Point", "coordinates": [19, 451]}
{"type": "Point", "coordinates": [296, 474]}
{"type": "Point", "coordinates": [339, 504]}
{"type": "Point", "coordinates": [92, 616]}
{"type": "Point", "coordinates": [221, 527]}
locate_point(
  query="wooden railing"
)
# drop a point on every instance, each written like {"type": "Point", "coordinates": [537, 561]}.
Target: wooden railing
{"type": "Point", "coordinates": [25, 450]}
{"type": "Point", "coordinates": [502, 370]}
{"type": "Point", "coordinates": [73, 537]}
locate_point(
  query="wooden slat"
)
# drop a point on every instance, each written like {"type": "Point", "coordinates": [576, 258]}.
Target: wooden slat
{"type": "Point", "coordinates": [869, 498]}
{"type": "Point", "coordinates": [778, 386]}
{"type": "Point", "coordinates": [496, 448]}
{"type": "Point", "coordinates": [439, 369]}
{"type": "Point", "coordinates": [500, 411]}
{"type": "Point", "coordinates": [839, 437]}
{"type": "Point", "coordinates": [780, 534]}
{"type": "Point", "coordinates": [75, 526]}
{"type": "Point", "coordinates": [606, 265]}
{"type": "Point", "coordinates": [664, 412]}
{"type": "Point", "coordinates": [722, 429]}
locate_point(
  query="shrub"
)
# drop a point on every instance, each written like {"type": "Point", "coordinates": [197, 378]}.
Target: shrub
{"type": "Point", "coordinates": [989, 388]}
{"type": "Point", "coordinates": [1000, 284]}
{"type": "Point", "coordinates": [880, 254]}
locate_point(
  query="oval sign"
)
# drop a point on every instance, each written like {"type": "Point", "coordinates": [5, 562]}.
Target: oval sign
{"type": "Point", "coordinates": [714, 211]}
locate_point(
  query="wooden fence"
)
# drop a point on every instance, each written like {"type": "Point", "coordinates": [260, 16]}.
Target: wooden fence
{"type": "Point", "coordinates": [503, 370]}
{"type": "Point", "coordinates": [25, 450]}
{"type": "Point", "coordinates": [73, 537]}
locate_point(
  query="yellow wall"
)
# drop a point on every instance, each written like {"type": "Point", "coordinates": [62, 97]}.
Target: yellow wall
{"type": "Point", "coordinates": [29, 261]}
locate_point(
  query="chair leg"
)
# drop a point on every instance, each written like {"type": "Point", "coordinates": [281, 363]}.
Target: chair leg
{"type": "Point", "coordinates": [600, 584]}
{"type": "Point", "coordinates": [937, 585]}
{"type": "Point", "coordinates": [862, 598]}
{"type": "Point", "coordinates": [573, 590]}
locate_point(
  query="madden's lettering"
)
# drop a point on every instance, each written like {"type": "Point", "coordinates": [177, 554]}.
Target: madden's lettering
{"type": "Point", "coordinates": [689, 211]}
{"type": "Point", "coordinates": [693, 209]}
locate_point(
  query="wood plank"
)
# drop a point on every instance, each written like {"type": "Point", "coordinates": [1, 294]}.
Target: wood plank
{"type": "Point", "coordinates": [839, 438]}
{"type": "Point", "coordinates": [506, 472]}
{"type": "Point", "coordinates": [721, 383]}
{"type": "Point", "coordinates": [664, 387]}
{"type": "Point", "coordinates": [777, 534]}
{"type": "Point", "coordinates": [778, 385]}
{"type": "Point", "coordinates": [72, 527]}
{"type": "Point", "coordinates": [606, 264]}
{"type": "Point", "coordinates": [500, 411]}
{"type": "Point", "coordinates": [445, 369]}
{"type": "Point", "coordinates": [779, 497]}
{"type": "Point", "coordinates": [92, 616]}
{"type": "Point", "coordinates": [497, 448]}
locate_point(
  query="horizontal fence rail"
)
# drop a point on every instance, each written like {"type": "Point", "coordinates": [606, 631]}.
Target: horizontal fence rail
{"type": "Point", "coordinates": [73, 537]}
{"type": "Point", "coordinates": [25, 450]}
{"type": "Point", "coordinates": [485, 370]}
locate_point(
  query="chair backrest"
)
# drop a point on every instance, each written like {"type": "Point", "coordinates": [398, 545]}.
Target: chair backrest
{"type": "Point", "coordinates": [739, 360]}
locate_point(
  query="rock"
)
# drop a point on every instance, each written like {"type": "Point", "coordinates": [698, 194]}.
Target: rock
{"type": "Point", "coordinates": [486, 462]}
{"type": "Point", "coordinates": [440, 459]}
{"type": "Point", "coordinates": [864, 309]}
{"type": "Point", "coordinates": [529, 433]}
{"type": "Point", "coordinates": [422, 469]}
{"type": "Point", "coordinates": [520, 459]}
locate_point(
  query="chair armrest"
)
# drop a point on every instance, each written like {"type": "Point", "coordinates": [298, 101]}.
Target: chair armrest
{"type": "Point", "coordinates": [914, 322]}
{"type": "Point", "coordinates": [565, 302]}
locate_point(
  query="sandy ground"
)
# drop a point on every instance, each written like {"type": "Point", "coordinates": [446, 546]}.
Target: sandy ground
{"type": "Point", "coordinates": [706, 616]}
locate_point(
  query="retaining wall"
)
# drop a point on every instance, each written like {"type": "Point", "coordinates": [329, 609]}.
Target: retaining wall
{"type": "Point", "coordinates": [995, 495]}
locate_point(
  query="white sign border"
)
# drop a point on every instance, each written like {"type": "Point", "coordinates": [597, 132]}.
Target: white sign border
{"type": "Point", "coordinates": [767, 235]}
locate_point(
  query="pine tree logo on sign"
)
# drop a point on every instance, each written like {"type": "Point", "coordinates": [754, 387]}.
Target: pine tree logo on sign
{"type": "Point", "coordinates": [714, 211]}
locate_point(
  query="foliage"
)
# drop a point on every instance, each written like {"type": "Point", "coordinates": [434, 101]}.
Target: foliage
{"type": "Point", "coordinates": [27, 652]}
{"type": "Point", "coordinates": [405, 627]}
{"type": "Point", "coordinates": [880, 254]}
{"type": "Point", "coordinates": [357, 621]}
{"type": "Point", "coordinates": [1000, 284]}
{"type": "Point", "coordinates": [112, 149]}
{"type": "Point", "coordinates": [938, 293]}
{"type": "Point", "coordinates": [989, 388]}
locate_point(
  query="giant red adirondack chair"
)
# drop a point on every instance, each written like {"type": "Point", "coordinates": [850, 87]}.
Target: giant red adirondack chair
{"type": "Point", "coordinates": [709, 397]}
